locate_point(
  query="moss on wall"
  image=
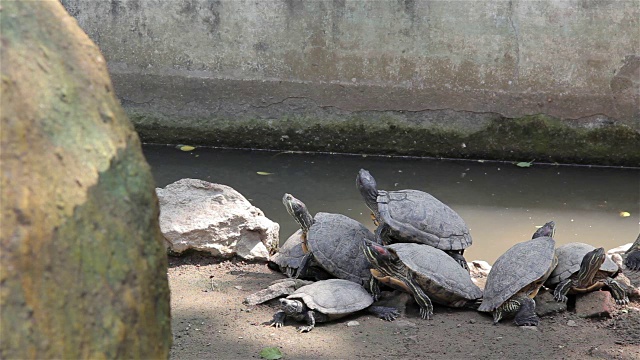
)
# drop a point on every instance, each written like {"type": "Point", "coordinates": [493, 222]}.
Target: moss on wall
{"type": "Point", "coordinates": [532, 137]}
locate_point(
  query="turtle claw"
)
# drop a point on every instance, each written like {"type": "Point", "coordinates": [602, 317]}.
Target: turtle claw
{"type": "Point", "coordinates": [390, 316]}
{"type": "Point", "coordinates": [426, 314]}
{"type": "Point", "coordinates": [276, 324]}
{"type": "Point", "coordinates": [623, 301]}
{"type": "Point", "coordinates": [304, 329]}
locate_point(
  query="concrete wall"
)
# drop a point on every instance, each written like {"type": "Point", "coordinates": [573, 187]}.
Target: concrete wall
{"type": "Point", "coordinates": [204, 71]}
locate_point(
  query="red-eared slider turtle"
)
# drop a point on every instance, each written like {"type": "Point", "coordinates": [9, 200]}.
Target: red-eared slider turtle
{"type": "Point", "coordinates": [333, 243]}
{"type": "Point", "coordinates": [328, 300]}
{"type": "Point", "coordinates": [632, 262]}
{"type": "Point", "coordinates": [415, 216]}
{"type": "Point", "coordinates": [516, 277]}
{"type": "Point", "coordinates": [583, 268]}
{"type": "Point", "coordinates": [288, 259]}
{"type": "Point", "coordinates": [429, 274]}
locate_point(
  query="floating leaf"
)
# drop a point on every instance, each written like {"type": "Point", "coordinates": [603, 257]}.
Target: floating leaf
{"type": "Point", "coordinates": [264, 173]}
{"type": "Point", "coordinates": [625, 214]}
{"type": "Point", "coordinates": [187, 148]}
{"type": "Point", "coordinates": [271, 353]}
{"type": "Point", "coordinates": [525, 164]}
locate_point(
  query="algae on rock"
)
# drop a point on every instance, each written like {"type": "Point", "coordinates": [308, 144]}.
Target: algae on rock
{"type": "Point", "coordinates": [83, 269]}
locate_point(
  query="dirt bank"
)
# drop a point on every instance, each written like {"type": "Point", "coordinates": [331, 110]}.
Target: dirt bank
{"type": "Point", "coordinates": [210, 321]}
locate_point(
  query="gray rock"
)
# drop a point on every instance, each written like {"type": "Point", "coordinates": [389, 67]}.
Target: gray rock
{"type": "Point", "coordinates": [214, 218]}
{"type": "Point", "coordinates": [353, 323]}
{"type": "Point", "coordinates": [572, 323]}
{"type": "Point", "coordinates": [546, 305]}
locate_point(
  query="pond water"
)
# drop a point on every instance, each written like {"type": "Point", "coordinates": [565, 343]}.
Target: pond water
{"type": "Point", "coordinates": [501, 203]}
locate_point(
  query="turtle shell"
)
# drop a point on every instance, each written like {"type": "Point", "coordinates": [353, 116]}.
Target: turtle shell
{"type": "Point", "coordinates": [335, 241]}
{"type": "Point", "coordinates": [520, 266]}
{"type": "Point", "coordinates": [333, 296]}
{"type": "Point", "coordinates": [290, 254]}
{"type": "Point", "coordinates": [440, 276]}
{"type": "Point", "coordinates": [569, 259]}
{"type": "Point", "coordinates": [415, 216]}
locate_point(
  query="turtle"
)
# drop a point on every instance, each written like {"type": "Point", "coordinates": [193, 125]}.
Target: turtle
{"type": "Point", "coordinates": [328, 300]}
{"type": "Point", "coordinates": [429, 274]}
{"type": "Point", "coordinates": [332, 242]}
{"type": "Point", "coordinates": [632, 261]}
{"type": "Point", "coordinates": [517, 275]}
{"type": "Point", "coordinates": [288, 258]}
{"type": "Point", "coordinates": [583, 268]}
{"type": "Point", "coordinates": [415, 216]}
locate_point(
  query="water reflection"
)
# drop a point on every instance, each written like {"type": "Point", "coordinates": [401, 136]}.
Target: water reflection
{"type": "Point", "coordinates": [500, 202]}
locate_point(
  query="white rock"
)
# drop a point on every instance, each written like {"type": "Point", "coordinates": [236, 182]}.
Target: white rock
{"type": "Point", "coordinates": [353, 323]}
{"type": "Point", "coordinates": [571, 323]}
{"type": "Point", "coordinates": [481, 264]}
{"type": "Point", "coordinates": [620, 249]}
{"type": "Point", "coordinates": [196, 214]}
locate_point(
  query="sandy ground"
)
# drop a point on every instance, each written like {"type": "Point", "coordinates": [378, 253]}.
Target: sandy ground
{"type": "Point", "coordinates": [210, 321]}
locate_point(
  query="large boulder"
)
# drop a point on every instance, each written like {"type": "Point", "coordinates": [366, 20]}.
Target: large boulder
{"type": "Point", "coordinates": [83, 269]}
{"type": "Point", "coordinates": [213, 218]}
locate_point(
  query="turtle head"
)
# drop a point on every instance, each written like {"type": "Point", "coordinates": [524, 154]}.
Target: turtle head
{"type": "Point", "coordinates": [590, 265]}
{"type": "Point", "coordinates": [292, 307]}
{"type": "Point", "coordinates": [548, 230]}
{"type": "Point", "coordinates": [368, 189]}
{"type": "Point", "coordinates": [381, 258]}
{"type": "Point", "coordinates": [298, 210]}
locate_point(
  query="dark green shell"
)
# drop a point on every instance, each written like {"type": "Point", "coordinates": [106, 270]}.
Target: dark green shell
{"type": "Point", "coordinates": [335, 241]}
{"type": "Point", "coordinates": [438, 274]}
{"type": "Point", "coordinates": [416, 216]}
{"type": "Point", "coordinates": [519, 267]}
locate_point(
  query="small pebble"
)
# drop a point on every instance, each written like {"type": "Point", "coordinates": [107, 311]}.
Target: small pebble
{"type": "Point", "coordinates": [238, 287]}
{"type": "Point", "coordinates": [532, 328]}
{"type": "Point", "coordinates": [571, 323]}
{"type": "Point", "coordinates": [473, 321]}
{"type": "Point", "coordinates": [353, 323]}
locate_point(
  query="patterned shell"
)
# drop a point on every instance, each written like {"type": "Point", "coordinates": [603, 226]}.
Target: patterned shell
{"type": "Point", "coordinates": [335, 241]}
{"type": "Point", "coordinates": [518, 267]}
{"type": "Point", "coordinates": [569, 259]}
{"type": "Point", "coordinates": [416, 216]}
{"type": "Point", "coordinates": [438, 267]}
{"type": "Point", "coordinates": [333, 296]}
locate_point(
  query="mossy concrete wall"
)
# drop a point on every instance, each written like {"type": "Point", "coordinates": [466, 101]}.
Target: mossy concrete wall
{"type": "Point", "coordinates": [83, 266]}
{"type": "Point", "coordinates": [551, 80]}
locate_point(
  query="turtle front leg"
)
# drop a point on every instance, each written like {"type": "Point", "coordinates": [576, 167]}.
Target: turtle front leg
{"type": "Point", "coordinates": [617, 291]}
{"type": "Point", "coordinates": [457, 256]}
{"type": "Point", "coordinates": [311, 322]}
{"type": "Point", "coordinates": [374, 288]}
{"type": "Point", "coordinates": [526, 316]}
{"type": "Point", "coordinates": [561, 290]}
{"type": "Point", "coordinates": [384, 312]}
{"type": "Point", "coordinates": [278, 319]}
{"type": "Point", "coordinates": [426, 308]}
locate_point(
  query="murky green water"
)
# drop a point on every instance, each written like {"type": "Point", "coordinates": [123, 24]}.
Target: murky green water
{"type": "Point", "coordinates": [500, 202]}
